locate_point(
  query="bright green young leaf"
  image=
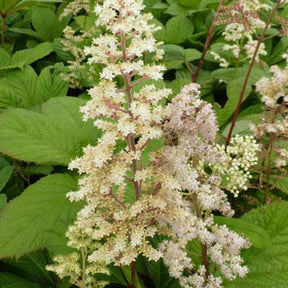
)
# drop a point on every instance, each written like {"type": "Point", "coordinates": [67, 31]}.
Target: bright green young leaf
{"type": "Point", "coordinates": [178, 29]}
{"type": "Point", "coordinates": [43, 139]}
{"type": "Point", "coordinates": [268, 267]}
{"type": "Point", "coordinates": [25, 221]}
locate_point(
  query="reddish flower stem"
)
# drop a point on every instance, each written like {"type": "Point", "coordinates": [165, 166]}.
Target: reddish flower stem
{"type": "Point", "coordinates": [207, 43]}
{"type": "Point", "coordinates": [3, 28]}
{"type": "Point", "coordinates": [260, 40]}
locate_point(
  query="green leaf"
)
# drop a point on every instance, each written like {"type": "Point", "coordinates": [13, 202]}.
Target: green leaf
{"type": "Point", "coordinates": [50, 85]}
{"type": "Point", "coordinates": [178, 29]}
{"type": "Point", "coordinates": [276, 55]}
{"type": "Point", "coordinates": [25, 31]}
{"type": "Point", "coordinates": [5, 174]}
{"type": "Point", "coordinates": [268, 267]}
{"type": "Point", "coordinates": [258, 237]}
{"type": "Point", "coordinates": [54, 137]}
{"type": "Point", "coordinates": [18, 88]}
{"type": "Point", "coordinates": [152, 146]}
{"type": "Point", "coordinates": [43, 20]}
{"type": "Point", "coordinates": [190, 3]}
{"type": "Point", "coordinates": [6, 4]}
{"type": "Point", "coordinates": [28, 56]}
{"type": "Point", "coordinates": [233, 93]}
{"type": "Point", "coordinates": [229, 74]}
{"type": "Point", "coordinates": [175, 9]}
{"type": "Point", "coordinates": [46, 139]}
{"type": "Point", "coordinates": [61, 53]}
{"type": "Point", "coordinates": [66, 110]}
{"type": "Point", "coordinates": [38, 170]}
{"type": "Point", "coordinates": [116, 276]}
{"type": "Point", "coordinates": [57, 244]}
{"type": "Point", "coordinates": [25, 221]}
{"type": "Point", "coordinates": [281, 183]}
{"type": "Point", "coordinates": [4, 58]}
{"type": "Point", "coordinates": [43, 139]}
{"type": "Point", "coordinates": [32, 267]}
{"type": "Point", "coordinates": [9, 280]}
{"type": "Point", "coordinates": [192, 54]}
{"type": "Point", "coordinates": [174, 56]}
{"type": "Point", "coordinates": [159, 274]}
{"type": "Point", "coordinates": [127, 272]}
{"type": "Point", "coordinates": [241, 127]}
{"type": "Point", "coordinates": [3, 201]}
{"type": "Point", "coordinates": [8, 7]}
{"type": "Point", "coordinates": [86, 22]}
{"type": "Point", "coordinates": [23, 89]}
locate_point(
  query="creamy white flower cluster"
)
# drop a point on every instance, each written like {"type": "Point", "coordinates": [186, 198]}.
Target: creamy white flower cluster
{"type": "Point", "coordinates": [77, 72]}
{"type": "Point", "coordinates": [242, 22]}
{"type": "Point", "coordinates": [274, 122]}
{"type": "Point", "coordinates": [190, 149]}
{"type": "Point", "coordinates": [68, 265]}
{"type": "Point", "coordinates": [127, 202]}
{"type": "Point", "coordinates": [75, 6]}
{"type": "Point", "coordinates": [241, 155]}
{"type": "Point", "coordinates": [131, 195]}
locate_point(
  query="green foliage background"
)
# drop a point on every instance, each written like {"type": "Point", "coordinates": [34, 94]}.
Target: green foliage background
{"type": "Point", "coordinates": [41, 131]}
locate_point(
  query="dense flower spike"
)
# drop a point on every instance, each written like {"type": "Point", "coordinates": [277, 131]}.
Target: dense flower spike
{"type": "Point", "coordinates": [133, 191]}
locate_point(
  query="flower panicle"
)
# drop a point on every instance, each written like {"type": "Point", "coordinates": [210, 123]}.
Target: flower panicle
{"type": "Point", "coordinates": [130, 197]}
